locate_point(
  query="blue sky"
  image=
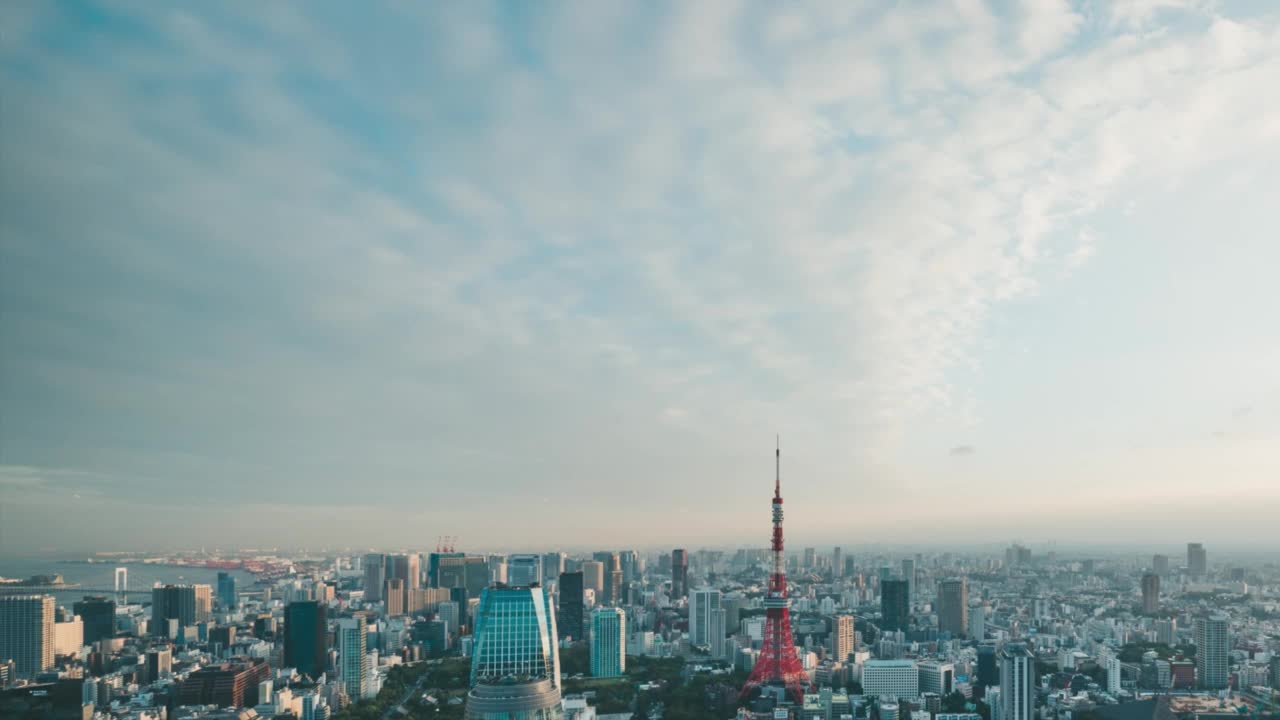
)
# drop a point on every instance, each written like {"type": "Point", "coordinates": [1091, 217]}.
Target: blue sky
{"type": "Point", "coordinates": [556, 273]}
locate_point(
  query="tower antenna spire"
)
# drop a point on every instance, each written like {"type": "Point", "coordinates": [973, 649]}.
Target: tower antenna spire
{"type": "Point", "coordinates": [777, 467]}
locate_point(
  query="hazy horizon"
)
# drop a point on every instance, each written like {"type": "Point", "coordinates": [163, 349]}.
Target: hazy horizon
{"type": "Point", "coordinates": [555, 275]}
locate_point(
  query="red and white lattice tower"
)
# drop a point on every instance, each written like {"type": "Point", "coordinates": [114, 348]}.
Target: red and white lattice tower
{"type": "Point", "coordinates": [778, 663]}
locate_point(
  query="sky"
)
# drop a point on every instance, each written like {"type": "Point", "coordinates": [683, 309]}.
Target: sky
{"type": "Point", "coordinates": [558, 274]}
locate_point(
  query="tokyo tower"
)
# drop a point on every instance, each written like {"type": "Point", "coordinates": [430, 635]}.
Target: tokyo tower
{"type": "Point", "coordinates": [778, 663]}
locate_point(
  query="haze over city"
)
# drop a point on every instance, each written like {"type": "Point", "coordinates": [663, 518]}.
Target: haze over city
{"type": "Point", "coordinates": [542, 273]}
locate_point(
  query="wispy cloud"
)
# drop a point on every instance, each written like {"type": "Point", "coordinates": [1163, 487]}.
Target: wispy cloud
{"type": "Point", "coordinates": [247, 255]}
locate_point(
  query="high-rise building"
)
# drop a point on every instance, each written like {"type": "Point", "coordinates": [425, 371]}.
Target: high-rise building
{"type": "Point", "coordinates": [572, 605]}
{"type": "Point", "coordinates": [1017, 683]}
{"type": "Point", "coordinates": [552, 566]}
{"type": "Point", "coordinates": [810, 558]}
{"type": "Point", "coordinates": [227, 590]}
{"type": "Point", "coordinates": [843, 637]}
{"type": "Point", "coordinates": [99, 616]}
{"type": "Point", "coordinates": [631, 566]}
{"type": "Point", "coordinates": [895, 605]}
{"type": "Point", "coordinates": [524, 570]}
{"type": "Point", "coordinates": [608, 642]}
{"type": "Point", "coordinates": [897, 678]}
{"type": "Point", "coordinates": [406, 567]}
{"type": "Point", "coordinates": [593, 576]}
{"type": "Point", "coordinates": [352, 663]}
{"type": "Point", "coordinates": [988, 669]}
{"type": "Point", "coordinates": [497, 569]}
{"type": "Point", "coordinates": [1275, 672]}
{"type": "Point", "coordinates": [188, 604]}
{"type": "Point", "coordinates": [159, 663]}
{"type": "Point", "coordinates": [909, 574]}
{"type": "Point", "coordinates": [305, 637]}
{"type": "Point", "coordinates": [1113, 674]}
{"type": "Point", "coordinates": [375, 576]}
{"type": "Point", "coordinates": [978, 622]}
{"type": "Point", "coordinates": [394, 595]}
{"type": "Point", "coordinates": [953, 606]}
{"type": "Point", "coordinates": [463, 571]}
{"type": "Point", "coordinates": [515, 636]}
{"type": "Point", "coordinates": [837, 563]}
{"type": "Point", "coordinates": [1197, 560]}
{"type": "Point", "coordinates": [679, 573]}
{"type": "Point", "coordinates": [1150, 593]}
{"type": "Point", "coordinates": [1160, 564]}
{"type": "Point", "coordinates": [613, 588]}
{"type": "Point", "coordinates": [26, 632]}
{"type": "Point", "coordinates": [433, 567]}
{"type": "Point", "coordinates": [701, 603]}
{"type": "Point", "coordinates": [1211, 652]}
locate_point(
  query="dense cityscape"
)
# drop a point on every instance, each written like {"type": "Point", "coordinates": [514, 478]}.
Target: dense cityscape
{"type": "Point", "coordinates": [636, 360]}
{"type": "Point", "coordinates": [823, 634]}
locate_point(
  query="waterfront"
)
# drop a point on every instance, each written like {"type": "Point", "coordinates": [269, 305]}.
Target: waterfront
{"type": "Point", "coordinates": [101, 575]}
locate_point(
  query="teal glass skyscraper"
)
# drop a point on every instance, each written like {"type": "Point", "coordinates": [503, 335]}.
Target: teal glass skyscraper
{"type": "Point", "coordinates": [515, 637]}
{"type": "Point", "coordinates": [608, 642]}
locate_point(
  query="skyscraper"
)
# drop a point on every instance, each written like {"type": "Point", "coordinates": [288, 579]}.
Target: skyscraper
{"type": "Point", "coordinates": [895, 607]}
{"type": "Point", "coordinates": [909, 574]}
{"type": "Point", "coordinates": [375, 575]}
{"type": "Point", "coordinates": [26, 632]}
{"type": "Point", "coordinates": [1197, 560]}
{"type": "Point", "coordinates": [988, 668]}
{"type": "Point", "coordinates": [99, 616]}
{"type": "Point", "coordinates": [524, 570]}
{"type": "Point", "coordinates": [1150, 593]}
{"type": "Point", "coordinates": [188, 604]}
{"type": "Point", "coordinates": [1160, 564]}
{"type": "Point", "coordinates": [305, 637]}
{"type": "Point", "coordinates": [393, 594]}
{"type": "Point", "coordinates": [572, 605]}
{"type": "Point", "coordinates": [679, 573]}
{"type": "Point", "coordinates": [593, 577]}
{"type": "Point", "coordinates": [515, 636]}
{"type": "Point", "coordinates": [1211, 652]}
{"type": "Point", "coordinates": [837, 563]}
{"type": "Point", "coordinates": [810, 558]}
{"type": "Point", "coordinates": [701, 604]}
{"type": "Point", "coordinates": [953, 606]}
{"type": "Point", "coordinates": [1017, 683]}
{"type": "Point", "coordinates": [352, 646]}
{"type": "Point", "coordinates": [227, 590]}
{"type": "Point", "coordinates": [843, 637]}
{"type": "Point", "coordinates": [608, 642]}
{"type": "Point", "coordinates": [470, 572]}
{"type": "Point", "coordinates": [978, 622]}
{"type": "Point", "coordinates": [552, 566]}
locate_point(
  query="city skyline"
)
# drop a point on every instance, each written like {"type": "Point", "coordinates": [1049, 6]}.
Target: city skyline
{"type": "Point", "coordinates": [352, 282]}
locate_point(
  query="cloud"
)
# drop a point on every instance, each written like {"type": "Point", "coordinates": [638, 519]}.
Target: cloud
{"type": "Point", "coordinates": [440, 255]}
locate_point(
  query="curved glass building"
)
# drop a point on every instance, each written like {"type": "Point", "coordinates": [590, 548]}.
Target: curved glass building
{"type": "Point", "coordinates": [512, 700]}
{"type": "Point", "coordinates": [515, 637]}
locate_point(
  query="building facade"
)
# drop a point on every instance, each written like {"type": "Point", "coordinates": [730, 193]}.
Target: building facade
{"type": "Point", "coordinates": [305, 637]}
{"type": "Point", "coordinates": [953, 606]}
{"type": "Point", "coordinates": [1211, 652]}
{"type": "Point", "coordinates": [27, 633]}
{"type": "Point", "coordinates": [1150, 593]}
{"type": "Point", "coordinates": [895, 605]}
{"type": "Point", "coordinates": [896, 678]}
{"type": "Point", "coordinates": [515, 637]}
{"type": "Point", "coordinates": [1017, 683]}
{"type": "Point", "coordinates": [352, 635]}
{"type": "Point", "coordinates": [608, 642]}
{"type": "Point", "coordinates": [188, 604]}
{"type": "Point", "coordinates": [572, 605]}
